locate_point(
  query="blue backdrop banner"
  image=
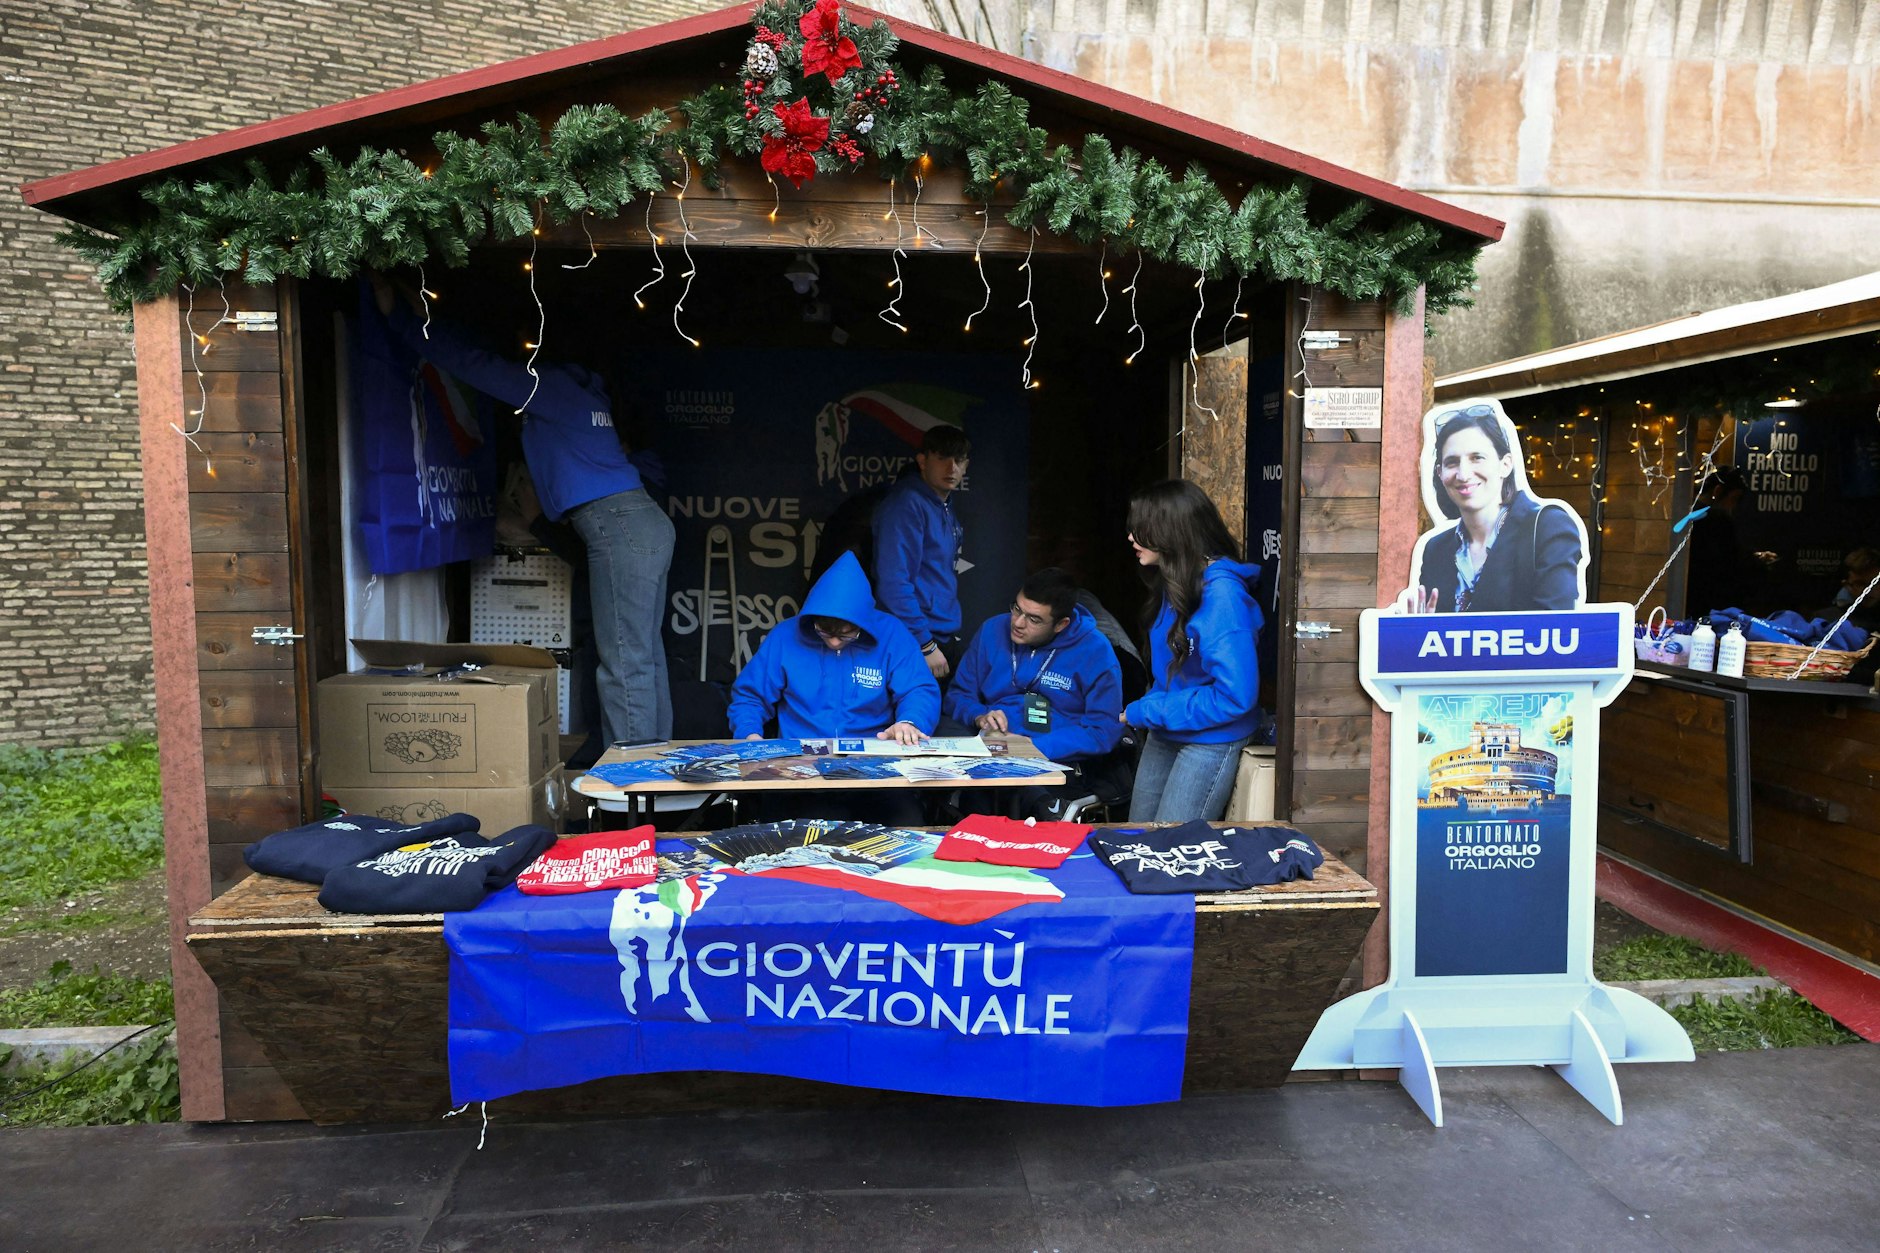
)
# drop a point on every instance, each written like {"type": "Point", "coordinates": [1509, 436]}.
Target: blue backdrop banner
{"type": "Point", "coordinates": [1081, 1000]}
{"type": "Point", "coordinates": [424, 455]}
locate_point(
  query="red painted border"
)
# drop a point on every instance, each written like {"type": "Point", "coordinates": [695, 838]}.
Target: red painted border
{"type": "Point", "coordinates": [1065, 91]}
{"type": "Point", "coordinates": [159, 339]}
{"type": "Point", "coordinates": [1846, 993]}
{"type": "Point", "coordinates": [1397, 494]}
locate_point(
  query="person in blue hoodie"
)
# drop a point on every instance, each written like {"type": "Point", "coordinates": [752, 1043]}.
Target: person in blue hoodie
{"type": "Point", "coordinates": [581, 473]}
{"type": "Point", "coordinates": [1046, 672]}
{"type": "Point", "coordinates": [840, 667]}
{"type": "Point", "coordinates": [1203, 702]}
{"type": "Point", "coordinates": [917, 548]}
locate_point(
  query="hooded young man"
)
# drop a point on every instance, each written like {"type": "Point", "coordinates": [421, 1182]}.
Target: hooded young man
{"type": "Point", "coordinates": [840, 667]}
{"type": "Point", "coordinates": [1046, 672]}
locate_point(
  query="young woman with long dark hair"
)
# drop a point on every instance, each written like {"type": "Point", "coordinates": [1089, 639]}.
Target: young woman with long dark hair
{"type": "Point", "coordinates": [1202, 705]}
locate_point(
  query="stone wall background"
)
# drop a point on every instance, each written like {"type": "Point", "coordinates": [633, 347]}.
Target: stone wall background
{"type": "Point", "coordinates": [1651, 158]}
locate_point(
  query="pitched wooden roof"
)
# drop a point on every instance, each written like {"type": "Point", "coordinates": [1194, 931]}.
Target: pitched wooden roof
{"type": "Point", "coordinates": [88, 195]}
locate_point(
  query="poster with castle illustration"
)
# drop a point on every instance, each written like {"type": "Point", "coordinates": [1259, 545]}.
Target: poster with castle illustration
{"type": "Point", "coordinates": [1494, 827]}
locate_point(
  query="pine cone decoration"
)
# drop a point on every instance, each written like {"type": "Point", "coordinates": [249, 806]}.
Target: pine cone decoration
{"type": "Point", "coordinates": [853, 115]}
{"type": "Point", "coordinates": [760, 61]}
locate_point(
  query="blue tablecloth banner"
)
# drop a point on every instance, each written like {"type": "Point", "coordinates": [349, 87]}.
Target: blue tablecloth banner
{"type": "Point", "coordinates": [1077, 1001]}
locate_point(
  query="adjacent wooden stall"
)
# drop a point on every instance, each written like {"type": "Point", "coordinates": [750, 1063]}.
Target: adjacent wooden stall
{"type": "Point", "coordinates": [240, 388]}
{"type": "Point", "coordinates": [1763, 791]}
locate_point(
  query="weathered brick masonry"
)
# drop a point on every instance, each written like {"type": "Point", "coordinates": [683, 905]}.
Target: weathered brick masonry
{"type": "Point", "coordinates": [84, 82]}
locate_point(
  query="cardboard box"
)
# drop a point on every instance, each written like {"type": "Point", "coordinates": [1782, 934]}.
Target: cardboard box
{"type": "Point", "coordinates": [1252, 800]}
{"type": "Point", "coordinates": [438, 726]}
{"type": "Point", "coordinates": [499, 809]}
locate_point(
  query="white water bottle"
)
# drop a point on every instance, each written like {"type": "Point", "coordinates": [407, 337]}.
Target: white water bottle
{"type": "Point", "coordinates": [1730, 652]}
{"type": "Point", "coordinates": [1703, 646]}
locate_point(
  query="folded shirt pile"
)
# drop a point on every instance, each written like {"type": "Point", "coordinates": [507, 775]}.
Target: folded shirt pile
{"type": "Point", "coordinates": [1195, 857]}
{"type": "Point", "coordinates": [605, 861]}
{"type": "Point", "coordinates": [368, 865]}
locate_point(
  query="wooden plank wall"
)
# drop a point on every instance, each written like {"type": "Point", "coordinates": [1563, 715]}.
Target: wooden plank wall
{"type": "Point", "coordinates": [1333, 529]}
{"type": "Point", "coordinates": [1815, 806]}
{"type": "Point", "coordinates": [243, 488]}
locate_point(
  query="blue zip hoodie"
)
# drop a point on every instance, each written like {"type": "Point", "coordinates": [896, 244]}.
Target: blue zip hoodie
{"type": "Point", "coordinates": [814, 690]}
{"type": "Point", "coordinates": [1076, 672]}
{"type": "Point", "coordinates": [1215, 696]}
{"type": "Point", "coordinates": [568, 432]}
{"type": "Point", "coordinates": [917, 540]}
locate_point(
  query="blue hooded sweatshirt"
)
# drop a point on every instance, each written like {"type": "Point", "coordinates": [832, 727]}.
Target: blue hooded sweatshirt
{"type": "Point", "coordinates": [917, 542]}
{"type": "Point", "coordinates": [568, 429]}
{"type": "Point", "coordinates": [1215, 697]}
{"type": "Point", "coordinates": [1076, 672]}
{"type": "Point", "coordinates": [813, 690]}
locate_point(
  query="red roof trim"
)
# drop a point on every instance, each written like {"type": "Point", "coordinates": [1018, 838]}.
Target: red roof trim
{"type": "Point", "coordinates": [1182, 129]}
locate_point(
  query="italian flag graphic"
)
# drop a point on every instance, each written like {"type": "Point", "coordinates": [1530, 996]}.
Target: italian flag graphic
{"type": "Point", "coordinates": [910, 410]}
{"type": "Point", "coordinates": [946, 891]}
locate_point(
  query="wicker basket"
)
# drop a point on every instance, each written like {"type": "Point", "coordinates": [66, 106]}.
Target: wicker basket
{"type": "Point", "coordinates": [1778, 661]}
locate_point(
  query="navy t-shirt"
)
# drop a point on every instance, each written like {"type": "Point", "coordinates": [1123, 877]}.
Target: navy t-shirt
{"type": "Point", "coordinates": [1197, 857]}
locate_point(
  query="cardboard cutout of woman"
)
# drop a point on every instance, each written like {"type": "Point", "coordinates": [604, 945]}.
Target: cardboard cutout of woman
{"type": "Point", "coordinates": [1501, 549]}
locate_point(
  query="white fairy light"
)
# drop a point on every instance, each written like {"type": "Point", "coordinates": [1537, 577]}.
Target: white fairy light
{"type": "Point", "coordinates": [593, 252]}
{"type": "Point", "coordinates": [202, 384]}
{"type": "Point", "coordinates": [541, 321]}
{"type": "Point", "coordinates": [659, 266]}
{"type": "Point", "coordinates": [1235, 315]}
{"type": "Point", "coordinates": [920, 230]}
{"type": "Point", "coordinates": [892, 314]}
{"type": "Point", "coordinates": [1031, 344]}
{"type": "Point", "coordinates": [425, 296]}
{"type": "Point", "coordinates": [1194, 358]}
{"type": "Point", "coordinates": [1103, 281]}
{"type": "Point", "coordinates": [986, 213]}
{"type": "Point", "coordinates": [1135, 320]}
{"type": "Point", "coordinates": [685, 246]}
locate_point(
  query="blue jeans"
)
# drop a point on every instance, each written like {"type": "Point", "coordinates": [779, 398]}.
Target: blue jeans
{"type": "Point", "coordinates": [629, 550]}
{"type": "Point", "coordinates": [1182, 782]}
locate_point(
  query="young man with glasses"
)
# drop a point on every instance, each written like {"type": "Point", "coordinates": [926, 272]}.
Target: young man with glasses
{"type": "Point", "coordinates": [840, 667]}
{"type": "Point", "coordinates": [1043, 670]}
{"type": "Point", "coordinates": [917, 538]}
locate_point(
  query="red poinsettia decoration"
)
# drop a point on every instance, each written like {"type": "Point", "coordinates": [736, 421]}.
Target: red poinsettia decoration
{"type": "Point", "coordinates": [790, 153]}
{"type": "Point", "coordinates": [826, 50]}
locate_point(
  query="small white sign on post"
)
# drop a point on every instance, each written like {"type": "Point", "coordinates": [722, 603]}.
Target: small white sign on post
{"type": "Point", "coordinates": [1345, 408]}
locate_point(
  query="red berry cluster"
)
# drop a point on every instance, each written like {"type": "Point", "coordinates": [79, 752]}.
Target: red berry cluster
{"type": "Point", "coordinates": [843, 146]}
{"type": "Point", "coordinates": [753, 88]}
{"type": "Point", "coordinates": [765, 35]}
{"type": "Point", "coordinates": [876, 97]}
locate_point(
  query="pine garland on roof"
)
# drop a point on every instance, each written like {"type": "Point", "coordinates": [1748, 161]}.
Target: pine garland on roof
{"type": "Point", "coordinates": [328, 218]}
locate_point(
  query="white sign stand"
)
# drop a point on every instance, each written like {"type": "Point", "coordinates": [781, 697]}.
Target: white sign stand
{"type": "Point", "coordinates": [1491, 902]}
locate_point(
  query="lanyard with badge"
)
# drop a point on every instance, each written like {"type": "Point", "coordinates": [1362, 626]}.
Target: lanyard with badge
{"type": "Point", "coordinates": [1037, 716]}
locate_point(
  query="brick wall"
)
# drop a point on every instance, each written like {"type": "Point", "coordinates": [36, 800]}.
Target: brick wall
{"type": "Point", "coordinates": [85, 81]}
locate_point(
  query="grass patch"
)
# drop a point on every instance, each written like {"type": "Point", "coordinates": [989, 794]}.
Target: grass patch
{"type": "Point", "coordinates": [138, 1083]}
{"type": "Point", "coordinates": [1667, 957]}
{"type": "Point", "coordinates": [75, 819]}
{"type": "Point", "coordinates": [1769, 1022]}
{"type": "Point", "coordinates": [63, 999]}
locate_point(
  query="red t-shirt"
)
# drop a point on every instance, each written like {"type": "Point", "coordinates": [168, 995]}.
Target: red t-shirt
{"type": "Point", "coordinates": [1008, 842]}
{"type": "Point", "coordinates": [602, 862]}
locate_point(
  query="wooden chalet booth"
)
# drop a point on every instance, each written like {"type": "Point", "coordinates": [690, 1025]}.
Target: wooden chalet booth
{"type": "Point", "coordinates": [1762, 791]}
{"type": "Point", "coordinates": [1141, 363]}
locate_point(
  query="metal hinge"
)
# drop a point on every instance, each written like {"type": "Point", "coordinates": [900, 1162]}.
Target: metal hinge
{"type": "Point", "coordinates": [255, 320]}
{"type": "Point", "coordinates": [1319, 340]}
{"type": "Point", "coordinates": [277, 635]}
{"type": "Point", "coordinates": [1315, 630]}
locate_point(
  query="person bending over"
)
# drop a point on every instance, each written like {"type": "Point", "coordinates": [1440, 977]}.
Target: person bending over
{"type": "Point", "coordinates": [1044, 671]}
{"type": "Point", "coordinates": [581, 473]}
{"type": "Point", "coordinates": [1202, 705]}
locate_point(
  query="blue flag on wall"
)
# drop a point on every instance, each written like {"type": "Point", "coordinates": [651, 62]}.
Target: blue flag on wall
{"type": "Point", "coordinates": [424, 456]}
{"type": "Point", "coordinates": [1081, 1000]}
